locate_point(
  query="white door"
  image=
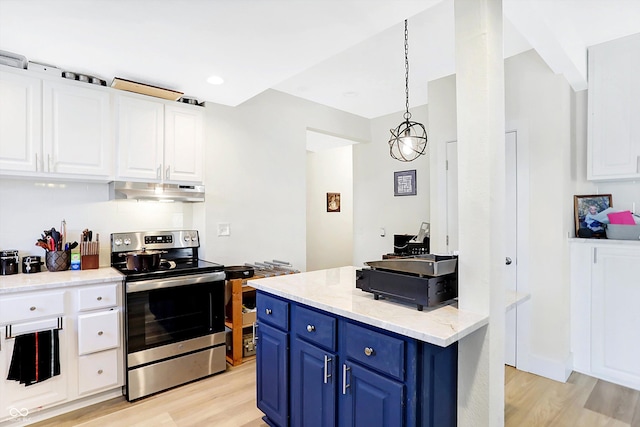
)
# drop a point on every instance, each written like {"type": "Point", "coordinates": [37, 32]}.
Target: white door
{"type": "Point", "coordinates": [510, 223]}
{"type": "Point", "coordinates": [511, 207]}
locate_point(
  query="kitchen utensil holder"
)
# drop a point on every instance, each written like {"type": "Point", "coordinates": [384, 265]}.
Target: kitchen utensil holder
{"type": "Point", "coordinates": [89, 262]}
{"type": "Point", "coordinates": [58, 260]}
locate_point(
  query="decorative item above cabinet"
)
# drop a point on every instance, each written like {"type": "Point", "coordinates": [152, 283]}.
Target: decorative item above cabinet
{"type": "Point", "coordinates": [613, 151]}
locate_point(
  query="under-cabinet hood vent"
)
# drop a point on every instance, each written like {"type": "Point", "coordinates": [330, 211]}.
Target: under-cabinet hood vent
{"type": "Point", "coordinates": [157, 192]}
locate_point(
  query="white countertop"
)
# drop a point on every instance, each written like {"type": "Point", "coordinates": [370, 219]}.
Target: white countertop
{"type": "Point", "coordinates": [334, 291]}
{"type": "Point", "coordinates": [60, 279]}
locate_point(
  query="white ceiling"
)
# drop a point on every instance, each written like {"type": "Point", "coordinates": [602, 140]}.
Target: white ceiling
{"type": "Point", "coordinates": [347, 54]}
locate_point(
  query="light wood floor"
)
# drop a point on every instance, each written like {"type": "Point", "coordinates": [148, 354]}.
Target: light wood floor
{"type": "Point", "coordinates": [228, 400]}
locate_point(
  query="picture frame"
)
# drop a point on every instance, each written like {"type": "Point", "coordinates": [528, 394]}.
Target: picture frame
{"type": "Point", "coordinates": [404, 183]}
{"type": "Point", "coordinates": [333, 202]}
{"type": "Point", "coordinates": [586, 208]}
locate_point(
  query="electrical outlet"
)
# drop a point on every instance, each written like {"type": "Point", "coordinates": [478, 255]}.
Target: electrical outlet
{"type": "Point", "coordinates": [224, 229]}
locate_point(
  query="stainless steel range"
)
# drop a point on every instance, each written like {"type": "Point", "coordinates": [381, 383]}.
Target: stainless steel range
{"type": "Point", "coordinates": [174, 310]}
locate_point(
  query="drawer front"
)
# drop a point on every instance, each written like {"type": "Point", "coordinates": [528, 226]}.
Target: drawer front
{"type": "Point", "coordinates": [375, 349]}
{"type": "Point", "coordinates": [98, 371]}
{"type": "Point", "coordinates": [273, 311]}
{"type": "Point", "coordinates": [32, 306]}
{"type": "Point", "coordinates": [98, 331]}
{"type": "Point", "coordinates": [314, 327]}
{"type": "Point", "coordinates": [97, 297]}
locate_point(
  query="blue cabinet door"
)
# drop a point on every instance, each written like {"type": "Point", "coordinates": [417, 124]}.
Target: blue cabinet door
{"type": "Point", "coordinates": [313, 386]}
{"type": "Point", "coordinates": [272, 360]}
{"type": "Point", "coordinates": [369, 399]}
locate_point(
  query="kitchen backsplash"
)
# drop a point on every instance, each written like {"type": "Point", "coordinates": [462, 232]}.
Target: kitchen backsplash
{"type": "Point", "coordinates": [29, 207]}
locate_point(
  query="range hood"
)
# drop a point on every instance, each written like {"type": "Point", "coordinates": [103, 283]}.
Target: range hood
{"type": "Point", "coordinates": [158, 192]}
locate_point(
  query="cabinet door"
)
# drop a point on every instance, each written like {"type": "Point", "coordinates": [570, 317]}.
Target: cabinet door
{"type": "Point", "coordinates": [140, 135]}
{"type": "Point", "coordinates": [77, 127]}
{"type": "Point", "coordinates": [614, 105]}
{"type": "Point", "coordinates": [20, 122]}
{"type": "Point", "coordinates": [313, 385]}
{"type": "Point", "coordinates": [183, 144]}
{"type": "Point", "coordinates": [615, 336]}
{"type": "Point", "coordinates": [272, 361]}
{"type": "Point", "coordinates": [17, 400]}
{"type": "Point", "coordinates": [369, 399]}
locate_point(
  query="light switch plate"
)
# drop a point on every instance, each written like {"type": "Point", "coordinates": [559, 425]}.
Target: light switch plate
{"type": "Point", "coordinates": [224, 229]}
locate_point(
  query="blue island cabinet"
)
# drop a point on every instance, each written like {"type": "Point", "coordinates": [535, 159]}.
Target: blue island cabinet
{"type": "Point", "coordinates": [338, 372]}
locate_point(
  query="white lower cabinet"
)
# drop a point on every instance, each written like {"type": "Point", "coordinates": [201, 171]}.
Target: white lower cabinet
{"type": "Point", "coordinates": [18, 400]}
{"type": "Point", "coordinates": [98, 371]}
{"type": "Point", "coordinates": [605, 318]}
{"type": "Point", "coordinates": [91, 346]}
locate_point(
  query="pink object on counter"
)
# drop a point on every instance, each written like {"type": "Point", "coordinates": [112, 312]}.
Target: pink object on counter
{"type": "Point", "coordinates": [623, 218]}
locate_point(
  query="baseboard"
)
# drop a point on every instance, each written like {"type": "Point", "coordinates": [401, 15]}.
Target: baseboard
{"type": "Point", "coordinates": [44, 414]}
{"type": "Point", "coordinates": [556, 370]}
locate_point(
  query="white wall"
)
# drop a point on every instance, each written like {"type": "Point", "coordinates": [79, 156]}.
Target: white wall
{"type": "Point", "coordinates": [329, 234]}
{"type": "Point", "coordinates": [28, 207]}
{"type": "Point", "coordinates": [375, 206]}
{"type": "Point", "coordinates": [256, 175]}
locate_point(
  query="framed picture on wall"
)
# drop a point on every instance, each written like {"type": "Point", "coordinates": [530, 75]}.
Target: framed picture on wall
{"type": "Point", "coordinates": [333, 202]}
{"type": "Point", "coordinates": [588, 214]}
{"type": "Point", "coordinates": [404, 183]}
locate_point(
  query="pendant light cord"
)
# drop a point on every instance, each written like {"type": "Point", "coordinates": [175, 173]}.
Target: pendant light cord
{"type": "Point", "coordinates": [407, 114]}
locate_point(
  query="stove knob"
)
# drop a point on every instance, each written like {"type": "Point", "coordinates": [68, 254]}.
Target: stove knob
{"type": "Point", "coordinates": [187, 238]}
{"type": "Point", "coordinates": [127, 241]}
{"type": "Point", "coordinates": [118, 242]}
{"type": "Point", "coordinates": [194, 238]}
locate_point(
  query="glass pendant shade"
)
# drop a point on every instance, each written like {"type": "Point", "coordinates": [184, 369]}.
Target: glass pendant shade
{"type": "Point", "coordinates": [409, 140]}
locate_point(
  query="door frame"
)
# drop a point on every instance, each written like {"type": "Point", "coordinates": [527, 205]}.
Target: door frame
{"type": "Point", "coordinates": [523, 311]}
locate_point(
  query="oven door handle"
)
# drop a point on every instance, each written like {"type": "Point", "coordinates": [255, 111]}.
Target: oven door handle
{"type": "Point", "coordinates": [170, 282]}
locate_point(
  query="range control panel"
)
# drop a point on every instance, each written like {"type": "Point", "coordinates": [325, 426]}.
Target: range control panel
{"type": "Point", "coordinates": [124, 242]}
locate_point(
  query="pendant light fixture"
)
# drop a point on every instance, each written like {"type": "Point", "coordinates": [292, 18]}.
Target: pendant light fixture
{"type": "Point", "coordinates": [409, 140]}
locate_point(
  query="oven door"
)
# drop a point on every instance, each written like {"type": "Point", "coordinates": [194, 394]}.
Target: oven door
{"type": "Point", "coordinates": [167, 311]}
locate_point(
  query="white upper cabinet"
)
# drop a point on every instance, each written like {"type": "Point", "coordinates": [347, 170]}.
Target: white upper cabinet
{"type": "Point", "coordinates": [183, 151]}
{"type": "Point", "coordinates": [614, 107]}
{"type": "Point", "coordinates": [158, 141]}
{"type": "Point", "coordinates": [77, 129]}
{"type": "Point", "coordinates": [140, 124]}
{"type": "Point", "coordinates": [52, 126]}
{"type": "Point", "coordinates": [20, 122]}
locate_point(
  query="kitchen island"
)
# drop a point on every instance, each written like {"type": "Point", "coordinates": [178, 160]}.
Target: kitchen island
{"type": "Point", "coordinates": [329, 354]}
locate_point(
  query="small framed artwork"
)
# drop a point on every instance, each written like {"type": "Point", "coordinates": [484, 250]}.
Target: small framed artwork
{"type": "Point", "coordinates": [333, 202]}
{"type": "Point", "coordinates": [588, 215]}
{"type": "Point", "coordinates": [404, 183]}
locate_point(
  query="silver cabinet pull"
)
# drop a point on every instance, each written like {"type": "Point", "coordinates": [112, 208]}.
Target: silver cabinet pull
{"type": "Point", "coordinates": [99, 371]}
{"type": "Point", "coordinates": [32, 308]}
{"type": "Point", "coordinates": [268, 311]}
{"type": "Point", "coordinates": [158, 171]}
{"type": "Point", "coordinates": [255, 332]}
{"type": "Point", "coordinates": [99, 298]}
{"type": "Point", "coordinates": [36, 162]}
{"type": "Point", "coordinates": [100, 333]}
{"type": "Point", "coordinates": [327, 375]}
{"type": "Point", "coordinates": [311, 328]}
{"type": "Point", "coordinates": [345, 386]}
{"type": "Point", "coordinates": [167, 172]}
{"type": "Point", "coordinates": [508, 261]}
{"type": "Point", "coordinates": [368, 351]}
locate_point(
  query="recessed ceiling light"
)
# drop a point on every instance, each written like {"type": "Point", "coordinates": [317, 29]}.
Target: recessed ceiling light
{"type": "Point", "coordinates": [215, 80]}
{"type": "Point", "coordinates": [350, 94]}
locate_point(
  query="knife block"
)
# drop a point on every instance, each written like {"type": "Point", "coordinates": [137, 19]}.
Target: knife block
{"type": "Point", "coordinates": [89, 262]}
